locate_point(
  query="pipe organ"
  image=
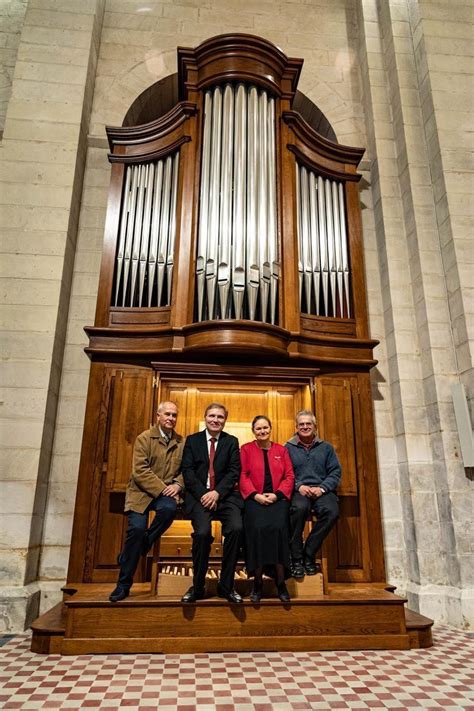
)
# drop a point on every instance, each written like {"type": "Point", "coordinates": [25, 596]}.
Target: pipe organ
{"type": "Point", "coordinates": [232, 270]}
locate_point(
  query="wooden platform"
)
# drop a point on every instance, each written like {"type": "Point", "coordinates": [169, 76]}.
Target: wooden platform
{"type": "Point", "coordinates": [348, 617]}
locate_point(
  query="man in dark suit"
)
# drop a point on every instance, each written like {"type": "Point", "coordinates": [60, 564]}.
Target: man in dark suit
{"type": "Point", "coordinates": [211, 469]}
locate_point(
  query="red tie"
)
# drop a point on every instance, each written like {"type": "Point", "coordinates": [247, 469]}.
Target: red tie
{"type": "Point", "coordinates": [212, 454]}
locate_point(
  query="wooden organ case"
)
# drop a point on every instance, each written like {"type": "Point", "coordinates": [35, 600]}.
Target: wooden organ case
{"type": "Point", "coordinates": [232, 270]}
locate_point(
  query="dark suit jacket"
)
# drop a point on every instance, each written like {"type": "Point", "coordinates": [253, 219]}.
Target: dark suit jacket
{"type": "Point", "coordinates": [195, 466]}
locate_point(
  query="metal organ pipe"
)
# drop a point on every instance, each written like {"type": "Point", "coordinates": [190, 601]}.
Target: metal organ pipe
{"type": "Point", "coordinates": [322, 245]}
{"type": "Point", "coordinates": [147, 231]}
{"type": "Point", "coordinates": [239, 213]}
{"type": "Point", "coordinates": [238, 207]}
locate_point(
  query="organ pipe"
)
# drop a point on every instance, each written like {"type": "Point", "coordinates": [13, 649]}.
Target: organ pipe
{"type": "Point", "coordinates": [147, 232]}
{"type": "Point", "coordinates": [322, 245]}
{"type": "Point", "coordinates": [237, 235]}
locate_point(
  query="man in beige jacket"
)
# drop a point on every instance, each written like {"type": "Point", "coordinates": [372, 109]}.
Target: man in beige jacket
{"type": "Point", "coordinates": [155, 485]}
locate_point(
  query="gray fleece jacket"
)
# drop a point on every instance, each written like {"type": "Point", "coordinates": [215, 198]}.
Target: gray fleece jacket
{"type": "Point", "coordinates": [314, 466]}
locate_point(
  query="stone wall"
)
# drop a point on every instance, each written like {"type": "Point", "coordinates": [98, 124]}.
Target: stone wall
{"type": "Point", "coordinates": [373, 68]}
{"type": "Point", "coordinates": [43, 157]}
{"type": "Point", "coordinates": [426, 498]}
{"type": "Point", "coordinates": [12, 14]}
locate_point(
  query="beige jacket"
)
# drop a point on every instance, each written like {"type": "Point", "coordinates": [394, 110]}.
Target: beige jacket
{"type": "Point", "coordinates": [155, 465]}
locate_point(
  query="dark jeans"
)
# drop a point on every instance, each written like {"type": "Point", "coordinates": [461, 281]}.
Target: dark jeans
{"type": "Point", "coordinates": [139, 539]}
{"type": "Point", "coordinates": [230, 515]}
{"type": "Point", "coordinates": [326, 510]}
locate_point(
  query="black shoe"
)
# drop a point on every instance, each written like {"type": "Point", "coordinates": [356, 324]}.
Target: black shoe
{"type": "Point", "coordinates": [283, 593]}
{"type": "Point", "coordinates": [297, 569]}
{"type": "Point", "coordinates": [192, 595]}
{"type": "Point", "coordinates": [232, 596]}
{"type": "Point", "coordinates": [310, 566]}
{"type": "Point", "coordinates": [256, 595]}
{"type": "Point", "coordinates": [119, 594]}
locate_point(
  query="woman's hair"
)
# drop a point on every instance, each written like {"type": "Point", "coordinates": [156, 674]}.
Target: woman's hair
{"type": "Point", "coordinates": [261, 417]}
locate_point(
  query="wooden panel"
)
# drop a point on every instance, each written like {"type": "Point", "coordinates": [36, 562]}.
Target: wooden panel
{"type": "Point", "coordinates": [335, 424]}
{"type": "Point", "coordinates": [129, 412]}
{"type": "Point", "coordinates": [339, 422]}
{"type": "Point", "coordinates": [244, 401]}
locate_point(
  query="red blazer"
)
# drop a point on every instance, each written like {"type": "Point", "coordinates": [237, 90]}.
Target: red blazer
{"type": "Point", "coordinates": [252, 475]}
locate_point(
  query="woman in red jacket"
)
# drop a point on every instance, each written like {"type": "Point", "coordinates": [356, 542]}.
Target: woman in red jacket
{"type": "Point", "coordinates": [266, 484]}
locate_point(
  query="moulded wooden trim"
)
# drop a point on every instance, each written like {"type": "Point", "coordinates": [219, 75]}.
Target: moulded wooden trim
{"type": "Point", "coordinates": [147, 157]}
{"type": "Point", "coordinates": [107, 265]}
{"type": "Point", "coordinates": [127, 135]}
{"type": "Point", "coordinates": [327, 148]}
{"type": "Point", "coordinates": [321, 169]}
{"type": "Point", "coordinates": [235, 336]}
{"type": "Point", "coordinates": [142, 316]}
{"type": "Point", "coordinates": [356, 259]}
{"type": "Point", "coordinates": [229, 338]}
{"type": "Point", "coordinates": [326, 326]}
{"type": "Point", "coordinates": [229, 372]}
{"type": "Point", "coordinates": [237, 56]}
{"type": "Point", "coordinates": [289, 289]}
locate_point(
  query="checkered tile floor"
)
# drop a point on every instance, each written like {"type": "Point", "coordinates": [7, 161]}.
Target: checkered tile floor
{"type": "Point", "coordinates": [440, 677]}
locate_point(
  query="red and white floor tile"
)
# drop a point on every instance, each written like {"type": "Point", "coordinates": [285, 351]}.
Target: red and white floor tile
{"type": "Point", "coordinates": [441, 677]}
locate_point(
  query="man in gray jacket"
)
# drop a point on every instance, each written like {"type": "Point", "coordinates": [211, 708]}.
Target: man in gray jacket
{"type": "Point", "coordinates": [317, 475]}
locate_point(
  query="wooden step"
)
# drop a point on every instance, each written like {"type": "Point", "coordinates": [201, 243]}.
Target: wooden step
{"type": "Point", "coordinates": [419, 629]}
{"type": "Point", "coordinates": [348, 617]}
{"type": "Point", "coordinates": [48, 630]}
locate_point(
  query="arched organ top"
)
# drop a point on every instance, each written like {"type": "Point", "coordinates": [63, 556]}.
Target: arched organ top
{"type": "Point", "coordinates": [231, 211]}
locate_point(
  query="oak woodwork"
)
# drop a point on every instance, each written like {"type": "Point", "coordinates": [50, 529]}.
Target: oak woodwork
{"type": "Point", "coordinates": [49, 630]}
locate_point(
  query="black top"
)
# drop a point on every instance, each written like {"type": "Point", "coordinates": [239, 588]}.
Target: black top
{"type": "Point", "coordinates": [267, 482]}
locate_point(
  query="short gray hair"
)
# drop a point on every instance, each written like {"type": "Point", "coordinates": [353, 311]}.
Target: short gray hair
{"type": "Point", "coordinates": [305, 413]}
{"type": "Point", "coordinates": [166, 402]}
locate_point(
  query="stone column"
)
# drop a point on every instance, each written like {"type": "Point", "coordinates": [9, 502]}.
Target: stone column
{"type": "Point", "coordinates": [418, 322]}
{"type": "Point", "coordinates": [42, 164]}
{"type": "Point", "coordinates": [442, 41]}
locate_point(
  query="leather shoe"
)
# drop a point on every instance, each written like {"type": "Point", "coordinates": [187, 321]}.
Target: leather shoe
{"type": "Point", "coordinates": [256, 595]}
{"type": "Point", "coordinates": [231, 596]}
{"type": "Point", "coordinates": [283, 593]}
{"type": "Point", "coordinates": [297, 569]}
{"type": "Point", "coordinates": [118, 594]}
{"type": "Point", "coordinates": [192, 595]}
{"type": "Point", "coordinates": [310, 566]}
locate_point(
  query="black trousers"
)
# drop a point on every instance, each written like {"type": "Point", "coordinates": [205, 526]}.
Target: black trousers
{"type": "Point", "coordinates": [230, 515]}
{"type": "Point", "coordinates": [325, 508]}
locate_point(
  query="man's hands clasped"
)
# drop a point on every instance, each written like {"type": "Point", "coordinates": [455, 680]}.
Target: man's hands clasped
{"type": "Point", "coordinates": [312, 492]}
{"type": "Point", "coordinates": [209, 500]}
{"type": "Point", "coordinates": [172, 490]}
